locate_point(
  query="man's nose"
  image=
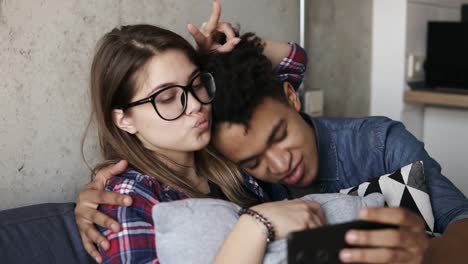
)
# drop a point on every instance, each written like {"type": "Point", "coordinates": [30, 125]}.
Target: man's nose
{"type": "Point", "coordinates": [279, 160]}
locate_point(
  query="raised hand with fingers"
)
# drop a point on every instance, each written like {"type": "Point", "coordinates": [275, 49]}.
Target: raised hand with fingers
{"type": "Point", "coordinates": [87, 215]}
{"type": "Point", "coordinates": [205, 36]}
{"type": "Point", "coordinates": [407, 244]}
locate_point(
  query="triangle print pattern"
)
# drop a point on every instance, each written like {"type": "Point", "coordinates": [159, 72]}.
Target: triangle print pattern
{"type": "Point", "coordinates": [405, 187]}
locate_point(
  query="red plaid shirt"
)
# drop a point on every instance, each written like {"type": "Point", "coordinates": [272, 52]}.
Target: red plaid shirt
{"type": "Point", "coordinates": [292, 68]}
{"type": "Point", "coordinates": [135, 243]}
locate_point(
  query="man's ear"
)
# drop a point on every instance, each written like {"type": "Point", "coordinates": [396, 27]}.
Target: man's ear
{"type": "Point", "coordinates": [123, 121]}
{"type": "Point", "coordinates": [292, 96]}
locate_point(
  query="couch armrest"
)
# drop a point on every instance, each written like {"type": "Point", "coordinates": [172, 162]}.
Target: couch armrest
{"type": "Point", "coordinates": [43, 233]}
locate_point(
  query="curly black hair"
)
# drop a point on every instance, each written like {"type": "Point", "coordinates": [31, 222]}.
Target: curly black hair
{"type": "Point", "coordinates": [244, 78]}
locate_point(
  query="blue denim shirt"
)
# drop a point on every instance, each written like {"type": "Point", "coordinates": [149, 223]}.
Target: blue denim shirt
{"type": "Point", "coordinates": [355, 150]}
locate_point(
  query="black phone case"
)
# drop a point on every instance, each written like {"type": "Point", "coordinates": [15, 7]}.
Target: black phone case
{"type": "Point", "coordinates": [322, 245]}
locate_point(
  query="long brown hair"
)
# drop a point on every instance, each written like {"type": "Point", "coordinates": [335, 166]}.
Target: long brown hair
{"type": "Point", "coordinates": [120, 55]}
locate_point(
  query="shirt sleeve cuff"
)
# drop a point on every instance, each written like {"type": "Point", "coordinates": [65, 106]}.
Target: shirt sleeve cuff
{"type": "Point", "coordinates": [463, 215]}
{"type": "Point", "coordinates": [286, 60]}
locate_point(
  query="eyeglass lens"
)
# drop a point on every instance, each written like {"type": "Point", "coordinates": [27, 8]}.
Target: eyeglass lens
{"type": "Point", "coordinates": [171, 102]}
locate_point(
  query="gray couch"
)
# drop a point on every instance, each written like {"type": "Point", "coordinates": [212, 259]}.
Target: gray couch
{"type": "Point", "coordinates": [43, 233]}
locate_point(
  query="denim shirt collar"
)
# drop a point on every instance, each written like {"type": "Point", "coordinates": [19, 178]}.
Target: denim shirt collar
{"type": "Point", "coordinates": [326, 149]}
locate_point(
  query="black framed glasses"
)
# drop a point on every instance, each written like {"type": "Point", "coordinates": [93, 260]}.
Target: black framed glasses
{"type": "Point", "coordinates": [170, 102]}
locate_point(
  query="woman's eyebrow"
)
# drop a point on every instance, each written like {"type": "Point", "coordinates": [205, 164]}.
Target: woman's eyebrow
{"type": "Point", "coordinates": [195, 72]}
{"type": "Point", "coordinates": [164, 85]}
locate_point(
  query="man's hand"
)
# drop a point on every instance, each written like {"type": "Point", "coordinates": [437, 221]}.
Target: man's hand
{"type": "Point", "coordinates": [407, 244]}
{"type": "Point", "coordinates": [204, 37]}
{"type": "Point", "coordinates": [86, 213]}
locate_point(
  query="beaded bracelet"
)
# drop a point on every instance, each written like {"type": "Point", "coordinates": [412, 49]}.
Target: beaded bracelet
{"type": "Point", "coordinates": [270, 231]}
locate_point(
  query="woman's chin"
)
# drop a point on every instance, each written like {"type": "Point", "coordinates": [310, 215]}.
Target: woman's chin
{"type": "Point", "coordinates": [201, 142]}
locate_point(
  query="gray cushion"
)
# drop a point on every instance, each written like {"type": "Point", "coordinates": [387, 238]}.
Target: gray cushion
{"type": "Point", "coordinates": [44, 233]}
{"type": "Point", "coordinates": [192, 230]}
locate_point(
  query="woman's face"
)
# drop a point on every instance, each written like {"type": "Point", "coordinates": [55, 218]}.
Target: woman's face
{"type": "Point", "coordinates": [189, 132]}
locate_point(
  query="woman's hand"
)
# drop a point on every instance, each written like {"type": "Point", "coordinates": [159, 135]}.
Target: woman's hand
{"type": "Point", "coordinates": [247, 242]}
{"type": "Point", "coordinates": [87, 215]}
{"type": "Point", "coordinates": [204, 37]}
{"type": "Point", "coordinates": [292, 215]}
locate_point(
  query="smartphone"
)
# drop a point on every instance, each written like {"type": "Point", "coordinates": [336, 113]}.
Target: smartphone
{"type": "Point", "coordinates": [322, 245]}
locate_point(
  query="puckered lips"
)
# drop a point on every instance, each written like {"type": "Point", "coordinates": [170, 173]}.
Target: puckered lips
{"type": "Point", "coordinates": [202, 123]}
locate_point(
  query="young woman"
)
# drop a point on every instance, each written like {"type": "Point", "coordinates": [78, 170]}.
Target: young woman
{"type": "Point", "coordinates": [151, 103]}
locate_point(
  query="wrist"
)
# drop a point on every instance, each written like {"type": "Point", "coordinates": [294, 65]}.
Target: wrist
{"type": "Point", "coordinates": [433, 253]}
{"type": "Point", "coordinates": [261, 220]}
{"type": "Point", "coordinates": [254, 228]}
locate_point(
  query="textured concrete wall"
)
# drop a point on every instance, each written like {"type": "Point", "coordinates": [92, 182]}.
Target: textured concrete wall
{"type": "Point", "coordinates": [339, 46]}
{"type": "Point", "coordinates": [45, 54]}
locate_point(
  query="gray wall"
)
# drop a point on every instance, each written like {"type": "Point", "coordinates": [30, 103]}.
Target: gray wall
{"type": "Point", "coordinates": [45, 56]}
{"type": "Point", "coordinates": [339, 46]}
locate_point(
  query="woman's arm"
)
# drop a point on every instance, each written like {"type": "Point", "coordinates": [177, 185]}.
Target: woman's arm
{"type": "Point", "coordinates": [292, 66]}
{"type": "Point", "coordinates": [247, 241]}
{"type": "Point", "coordinates": [289, 60]}
{"type": "Point", "coordinates": [276, 51]}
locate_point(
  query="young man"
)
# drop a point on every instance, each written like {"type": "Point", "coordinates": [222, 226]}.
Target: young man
{"type": "Point", "coordinates": [258, 125]}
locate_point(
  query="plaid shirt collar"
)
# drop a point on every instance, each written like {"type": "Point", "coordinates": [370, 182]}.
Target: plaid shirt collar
{"type": "Point", "coordinates": [252, 185]}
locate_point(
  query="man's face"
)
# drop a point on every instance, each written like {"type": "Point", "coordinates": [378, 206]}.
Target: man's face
{"type": "Point", "coordinates": [279, 146]}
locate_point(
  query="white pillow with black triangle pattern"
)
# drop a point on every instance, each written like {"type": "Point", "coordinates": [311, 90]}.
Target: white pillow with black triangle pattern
{"type": "Point", "coordinates": [405, 187]}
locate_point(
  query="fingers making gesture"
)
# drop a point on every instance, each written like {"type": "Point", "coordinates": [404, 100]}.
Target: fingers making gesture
{"type": "Point", "coordinates": [205, 36]}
